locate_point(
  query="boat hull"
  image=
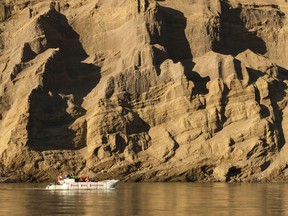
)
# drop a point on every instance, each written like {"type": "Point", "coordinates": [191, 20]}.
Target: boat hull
{"type": "Point", "coordinates": [107, 184]}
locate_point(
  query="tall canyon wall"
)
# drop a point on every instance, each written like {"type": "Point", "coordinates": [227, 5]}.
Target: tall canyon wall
{"type": "Point", "coordinates": [144, 90]}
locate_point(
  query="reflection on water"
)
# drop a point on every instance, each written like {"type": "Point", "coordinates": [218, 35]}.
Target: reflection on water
{"type": "Point", "coordinates": [148, 199]}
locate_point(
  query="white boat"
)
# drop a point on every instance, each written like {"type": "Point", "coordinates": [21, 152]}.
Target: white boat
{"type": "Point", "coordinates": [70, 184]}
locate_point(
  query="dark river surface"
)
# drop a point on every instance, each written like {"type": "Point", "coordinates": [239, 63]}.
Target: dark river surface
{"type": "Point", "coordinates": [148, 199]}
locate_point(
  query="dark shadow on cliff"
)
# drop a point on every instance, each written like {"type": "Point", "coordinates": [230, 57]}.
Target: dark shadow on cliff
{"type": "Point", "coordinates": [234, 35]}
{"type": "Point", "coordinates": [173, 38]}
{"type": "Point", "coordinates": [277, 93]}
{"type": "Point", "coordinates": [283, 73]}
{"type": "Point", "coordinates": [200, 83]}
{"type": "Point", "coordinates": [173, 30]}
{"type": "Point", "coordinates": [79, 77]}
{"type": "Point", "coordinates": [66, 81]}
{"type": "Point", "coordinates": [278, 90]}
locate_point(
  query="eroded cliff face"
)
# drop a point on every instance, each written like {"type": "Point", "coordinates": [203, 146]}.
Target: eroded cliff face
{"type": "Point", "coordinates": [144, 90]}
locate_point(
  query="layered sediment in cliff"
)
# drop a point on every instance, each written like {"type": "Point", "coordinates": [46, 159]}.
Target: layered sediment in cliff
{"type": "Point", "coordinates": [144, 90]}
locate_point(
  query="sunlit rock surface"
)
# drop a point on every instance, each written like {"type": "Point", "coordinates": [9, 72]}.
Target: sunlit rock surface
{"type": "Point", "coordinates": [144, 90]}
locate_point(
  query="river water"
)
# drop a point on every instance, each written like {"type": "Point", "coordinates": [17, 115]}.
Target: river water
{"type": "Point", "coordinates": [139, 199]}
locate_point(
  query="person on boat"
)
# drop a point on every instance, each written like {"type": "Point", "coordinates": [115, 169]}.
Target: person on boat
{"type": "Point", "coordinates": [67, 176]}
{"type": "Point", "coordinates": [59, 179]}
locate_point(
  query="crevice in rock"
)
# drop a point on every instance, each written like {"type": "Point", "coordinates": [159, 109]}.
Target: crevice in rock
{"type": "Point", "coordinates": [223, 102]}
{"type": "Point", "coordinates": [278, 93]}
{"type": "Point", "coordinates": [265, 165]}
{"type": "Point", "coordinates": [120, 144]}
{"type": "Point", "coordinates": [238, 69]}
{"type": "Point", "coordinates": [264, 110]}
{"type": "Point", "coordinates": [259, 147]}
{"type": "Point", "coordinates": [233, 172]}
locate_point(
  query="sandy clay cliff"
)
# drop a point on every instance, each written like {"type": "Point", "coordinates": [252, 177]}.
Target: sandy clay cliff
{"type": "Point", "coordinates": [144, 90]}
